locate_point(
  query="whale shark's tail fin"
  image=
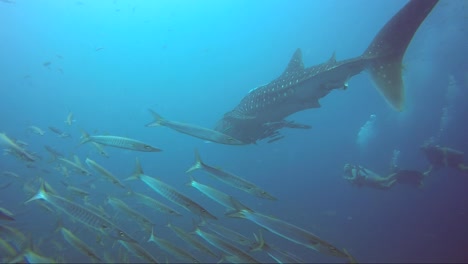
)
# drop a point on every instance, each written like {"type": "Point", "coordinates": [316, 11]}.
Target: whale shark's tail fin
{"type": "Point", "coordinates": [386, 51]}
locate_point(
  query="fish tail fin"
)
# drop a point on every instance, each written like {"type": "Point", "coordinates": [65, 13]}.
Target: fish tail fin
{"type": "Point", "coordinates": [158, 119]}
{"type": "Point", "coordinates": [260, 242]}
{"type": "Point", "coordinates": [84, 137]}
{"type": "Point", "coordinates": [198, 163]}
{"type": "Point", "coordinates": [350, 258]}
{"type": "Point", "coordinates": [41, 194]}
{"type": "Point", "coordinates": [240, 209]}
{"type": "Point", "coordinates": [386, 51]}
{"type": "Point", "coordinates": [58, 225]}
{"type": "Point", "coordinates": [196, 225]}
{"type": "Point", "coordinates": [152, 237]}
{"type": "Point", "coordinates": [192, 180]}
{"type": "Point", "coordinates": [138, 171]}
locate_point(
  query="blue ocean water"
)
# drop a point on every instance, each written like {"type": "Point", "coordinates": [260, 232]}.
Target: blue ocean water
{"type": "Point", "coordinates": [107, 62]}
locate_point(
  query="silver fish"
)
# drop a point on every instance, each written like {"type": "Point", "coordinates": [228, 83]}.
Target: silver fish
{"type": "Point", "coordinates": [226, 247]}
{"type": "Point", "coordinates": [154, 204]}
{"type": "Point", "coordinates": [229, 178]}
{"type": "Point", "coordinates": [101, 170]}
{"type": "Point", "coordinates": [78, 244]}
{"type": "Point", "coordinates": [288, 231]}
{"type": "Point", "coordinates": [82, 215]}
{"type": "Point", "coordinates": [190, 239]}
{"type": "Point", "coordinates": [194, 131]}
{"type": "Point", "coordinates": [119, 142]}
{"type": "Point", "coordinates": [170, 193]}
{"type": "Point", "coordinates": [138, 251]}
{"type": "Point", "coordinates": [172, 249]}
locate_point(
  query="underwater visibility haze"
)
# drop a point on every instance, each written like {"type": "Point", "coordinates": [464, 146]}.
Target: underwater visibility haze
{"type": "Point", "coordinates": [234, 131]}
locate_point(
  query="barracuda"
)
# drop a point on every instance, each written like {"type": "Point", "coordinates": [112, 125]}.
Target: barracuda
{"type": "Point", "coordinates": [82, 215]}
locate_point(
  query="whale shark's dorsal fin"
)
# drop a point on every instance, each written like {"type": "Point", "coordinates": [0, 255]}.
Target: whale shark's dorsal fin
{"type": "Point", "coordinates": [295, 63]}
{"type": "Point", "coordinates": [332, 58]}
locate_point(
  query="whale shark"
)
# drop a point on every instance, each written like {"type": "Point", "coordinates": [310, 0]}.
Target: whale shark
{"type": "Point", "coordinates": [262, 112]}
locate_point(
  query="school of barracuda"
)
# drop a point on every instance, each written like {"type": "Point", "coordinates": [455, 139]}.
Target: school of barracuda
{"type": "Point", "coordinates": [123, 232]}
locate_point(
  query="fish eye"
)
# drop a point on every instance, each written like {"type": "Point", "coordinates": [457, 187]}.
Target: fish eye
{"type": "Point", "coordinates": [147, 147]}
{"type": "Point", "coordinates": [104, 226]}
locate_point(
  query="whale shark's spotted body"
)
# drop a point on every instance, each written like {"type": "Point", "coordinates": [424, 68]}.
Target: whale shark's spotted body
{"type": "Point", "coordinates": [261, 113]}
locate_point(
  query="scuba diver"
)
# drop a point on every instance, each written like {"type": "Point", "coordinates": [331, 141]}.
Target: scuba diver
{"type": "Point", "coordinates": [440, 157]}
{"type": "Point", "coordinates": [361, 176]}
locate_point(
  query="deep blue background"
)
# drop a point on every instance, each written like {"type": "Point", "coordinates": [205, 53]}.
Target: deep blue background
{"type": "Point", "coordinates": [192, 61]}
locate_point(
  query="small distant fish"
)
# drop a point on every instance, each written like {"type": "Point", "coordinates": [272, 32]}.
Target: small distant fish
{"type": "Point", "coordinates": [190, 239]}
{"type": "Point", "coordinates": [226, 247]}
{"type": "Point", "coordinates": [59, 56]}
{"type": "Point", "coordinates": [138, 251]}
{"type": "Point", "coordinates": [98, 49]}
{"type": "Point", "coordinates": [21, 143]}
{"type": "Point", "coordinates": [69, 121]}
{"type": "Point", "coordinates": [76, 191]}
{"type": "Point", "coordinates": [278, 255]}
{"type": "Point", "coordinates": [154, 204]}
{"type": "Point", "coordinates": [11, 174]}
{"type": "Point", "coordinates": [55, 154]}
{"type": "Point", "coordinates": [79, 245]}
{"type": "Point", "coordinates": [100, 149]}
{"type": "Point", "coordinates": [8, 1]}
{"type": "Point", "coordinates": [36, 130]}
{"type": "Point", "coordinates": [75, 165]}
{"type": "Point", "coordinates": [101, 170]}
{"type": "Point", "coordinates": [59, 132]}
{"type": "Point", "coordinates": [172, 249]}
{"type": "Point", "coordinates": [229, 234]}
{"type": "Point", "coordinates": [46, 64]}
{"type": "Point", "coordinates": [121, 206]}
{"type": "Point", "coordinates": [15, 149]}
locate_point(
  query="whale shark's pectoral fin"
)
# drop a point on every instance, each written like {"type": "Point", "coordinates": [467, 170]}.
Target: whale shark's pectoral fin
{"type": "Point", "coordinates": [292, 124]}
{"type": "Point", "coordinates": [314, 103]}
